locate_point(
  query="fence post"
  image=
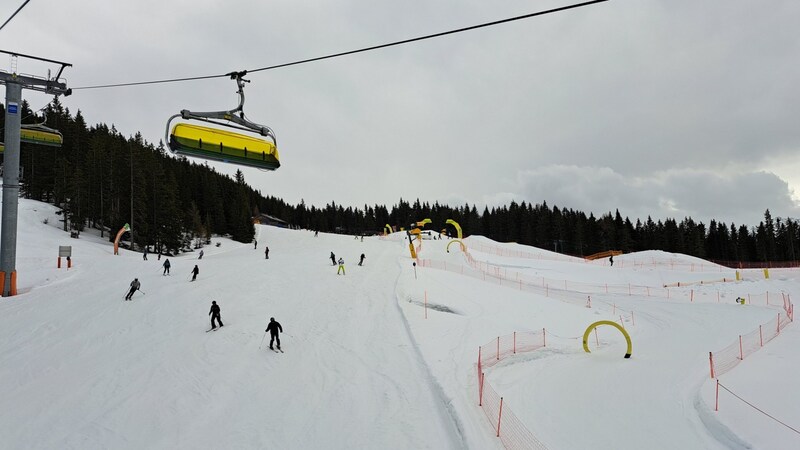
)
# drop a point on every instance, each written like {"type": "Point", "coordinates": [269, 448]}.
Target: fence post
{"type": "Point", "coordinates": [480, 389]}
{"type": "Point", "coordinates": [691, 295]}
{"type": "Point", "coordinates": [716, 402]}
{"type": "Point", "coordinates": [621, 322]}
{"type": "Point", "coordinates": [499, 416]}
{"type": "Point", "coordinates": [633, 319]}
{"type": "Point", "coordinates": [760, 336]}
{"type": "Point", "coordinates": [515, 343]}
{"type": "Point", "coordinates": [711, 363]}
{"type": "Point", "coordinates": [596, 339]}
{"type": "Point", "coordinates": [741, 354]}
{"type": "Point", "coordinates": [767, 298]}
{"type": "Point", "coordinates": [426, 304]}
{"type": "Point", "coordinates": [498, 348]}
{"type": "Point", "coordinates": [778, 326]}
{"type": "Point", "coordinates": [544, 338]}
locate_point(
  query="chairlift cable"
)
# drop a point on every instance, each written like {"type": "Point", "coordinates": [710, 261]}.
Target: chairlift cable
{"type": "Point", "coordinates": [15, 13]}
{"type": "Point", "coordinates": [429, 36]}
{"type": "Point", "coordinates": [361, 50]}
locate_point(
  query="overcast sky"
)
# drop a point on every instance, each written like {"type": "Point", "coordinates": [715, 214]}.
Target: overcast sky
{"type": "Point", "coordinates": [666, 108]}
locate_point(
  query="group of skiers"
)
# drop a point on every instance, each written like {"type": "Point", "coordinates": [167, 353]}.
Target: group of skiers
{"type": "Point", "coordinates": [274, 328]}
{"type": "Point", "coordinates": [341, 270]}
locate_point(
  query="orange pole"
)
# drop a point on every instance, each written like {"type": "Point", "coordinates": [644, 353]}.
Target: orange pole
{"type": "Point", "coordinates": [711, 363]}
{"type": "Point", "coordinates": [741, 353]}
{"type": "Point", "coordinates": [499, 416]}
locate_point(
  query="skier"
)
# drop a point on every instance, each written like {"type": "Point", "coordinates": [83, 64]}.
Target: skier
{"type": "Point", "coordinates": [194, 272]}
{"type": "Point", "coordinates": [273, 329]}
{"type": "Point", "coordinates": [341, 267]}
{"type": "Point", "coordinates": [215, 314]}
{"type": "Point", "coordinates": [135, 285]}
{"type": "Point", "coordinates": [144, 254]}
{"type": "Point", "coordinates": [266, 252]}
{"type": "Point", "coordinates": [201, 255]}
{"type": "Point", "coordinates": [360, 263]}
{"type": "Point", "coordinates": [333, 259]}
{"type": "Point", "coordinates": [316, 233]}
{"type": "Point", "coordinates": [611, 260]}
{"type": "Point", "coordinates": [166, 267]}
{"type": "Point", "coordinates": [255, 244]}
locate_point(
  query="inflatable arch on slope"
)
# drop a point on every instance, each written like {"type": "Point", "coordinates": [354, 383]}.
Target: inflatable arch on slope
{"type": "Point", "coordinates": [461, 244]}
{"type": "Point", "coordinates": [458, 227]}
{"type": "Point", "coordinates": [387, 229]}
{"type": "Point", "coordinates": [119, 235]}
{"type": "Point", "coordinates": [613, 324]}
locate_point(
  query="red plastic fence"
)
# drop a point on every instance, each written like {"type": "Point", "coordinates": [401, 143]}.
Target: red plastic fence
{"type": "Point", "coordinates": [576, 292]}
{"type": "Point", "coordinates": [724, 360]}
{"type": "Point", "coordinates": [506, 425]}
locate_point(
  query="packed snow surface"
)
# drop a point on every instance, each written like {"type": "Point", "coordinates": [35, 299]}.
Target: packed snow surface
{"type": "Point", "coordinates": [381, 357]}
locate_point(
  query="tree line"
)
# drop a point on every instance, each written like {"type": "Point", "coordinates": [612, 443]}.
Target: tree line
{"type": "Point", "coordinates": [101, 179]}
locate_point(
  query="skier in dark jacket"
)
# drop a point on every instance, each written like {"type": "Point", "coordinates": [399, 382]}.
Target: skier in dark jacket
{"type": "Point", "coordinates": [266, 252]}
{"type": "Point", "coordinates": [195, 271]}
{"type": "Point", "coordinates": [166, 266]}
{"type": "Point", "coordinates": [361, 263]}
{"type": "Point", "coordinates": [333, 258]}
{"type": "Point", "coordinates": [215, 314]}
{"type": "Point", "coordinates": [273, 329]}
{"type": "Point", "coordinates": [611, 260]}
{"type": "Point", "coordinates": [135, 285]}
{"type": "Point", "coordinates": [201, 255]}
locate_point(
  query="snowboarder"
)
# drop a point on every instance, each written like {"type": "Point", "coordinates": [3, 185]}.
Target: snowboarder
{"type": "Point", "coordinates": [341, 267]}
{"type": "Point", "coordinates": [273, 329]}
{"type": "Point", "coordinates": [166, 267]}
{"type": "Point", "coordinates": [195, 271]}
{"type": "Point", "coordinates": [201, 255]}
{"type": "Point", "coordinates": [611, 260]}
{"type": "Point", "coordinates": [135, 285]}
{"type": "Point", "coordinates": [333, 259]}
{"type": "Point", "coordinates": [144, 254]}
{"type": "Point", "coordinates": [215, 314]}
{"type": "Point", "coordinates": [360, 263]}
{"type": "Point", "coordinates": [266, 252]}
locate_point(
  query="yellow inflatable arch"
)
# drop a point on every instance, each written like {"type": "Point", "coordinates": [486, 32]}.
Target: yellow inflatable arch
{"type": "Point", "coordinates": [455, 224]}
{"type": "Point", "coordinates": [388, 229]}
{"type": "Point", "coordinates": [613, 324]}
{"type": "Point", "coordinates": [461, 244]}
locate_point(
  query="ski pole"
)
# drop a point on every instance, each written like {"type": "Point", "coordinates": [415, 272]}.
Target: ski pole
{"type": "Point", "coordinates": [141, 291]}
{"type": "Point", "coordinates": [262, 340]}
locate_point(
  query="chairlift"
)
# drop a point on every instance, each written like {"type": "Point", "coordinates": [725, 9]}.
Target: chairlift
{"type": "Point", "coordinates": [38, 133]}
{"type": "Point", "coordinates": [224, 145]}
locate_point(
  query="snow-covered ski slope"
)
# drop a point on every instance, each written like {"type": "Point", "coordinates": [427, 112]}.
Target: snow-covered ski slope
{"type": "Point", "coordinates": [363, 367]}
